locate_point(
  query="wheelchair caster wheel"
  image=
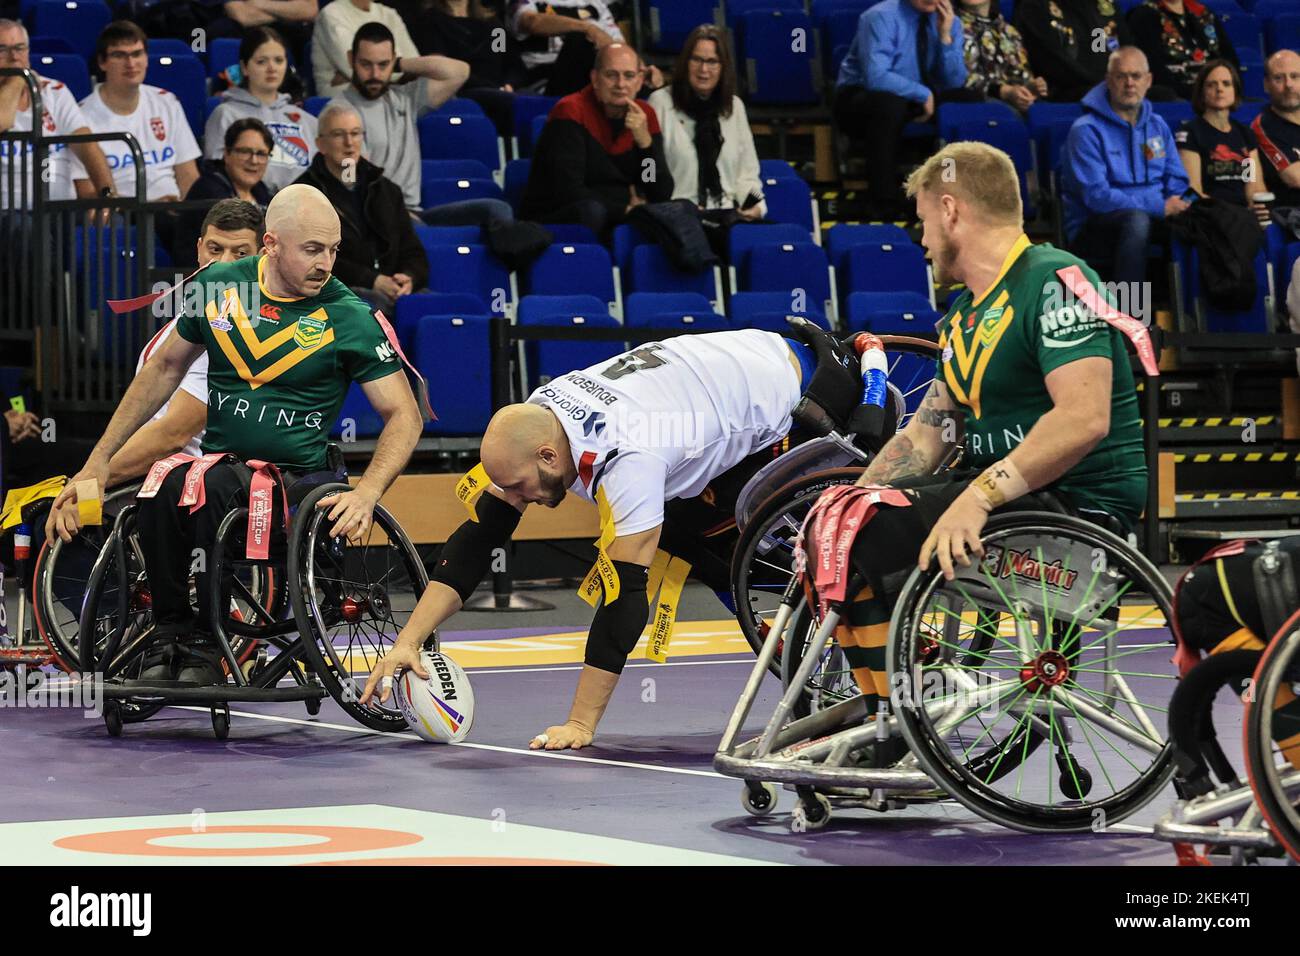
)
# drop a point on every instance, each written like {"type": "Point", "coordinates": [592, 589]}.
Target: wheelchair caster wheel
{"type": "Point", "coordinates": [221, 722]}
{"type": "Point", "coordinates": [758, 799]}
{"type": "Point", "coordinates": [313, 706]}
{"type": "Point", "coordinates": [810, 814]}
{"type": "Point", "coordinates": [113, 718]}
{"type": "Point", "coordinates": [1076, 782]}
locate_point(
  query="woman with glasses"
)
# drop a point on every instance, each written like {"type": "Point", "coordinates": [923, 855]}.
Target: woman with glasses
{"type": "Point", "coordinates": [263, 67]}
{"type": "Point", "coordinates": [707, 140]}
{"type": "Point", "coordinates": [239, 174]}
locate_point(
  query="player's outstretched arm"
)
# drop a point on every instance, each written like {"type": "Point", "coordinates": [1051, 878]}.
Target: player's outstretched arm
{"type": "Point", "coordinates": [919, 447]}
{"type": "Point", "coordinates": [615, 630]}
{"type": "Point", "coordinates": [186, 417]}
{"type": "Point", "coordinates": [152, 386]}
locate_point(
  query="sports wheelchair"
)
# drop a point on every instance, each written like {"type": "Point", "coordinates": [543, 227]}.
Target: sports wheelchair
{"type": "Point", "coordinates": [1260, 816]}
{"type": "Point", "coordinates": [1024, 688]}
{"type": "Point", "coordinates": [295, 626]}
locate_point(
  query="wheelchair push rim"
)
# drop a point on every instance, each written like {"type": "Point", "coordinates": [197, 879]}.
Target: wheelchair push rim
{"type": "Point", "coordinates": [352, 600]}
{"type": "Point", "coordinates": [1274, 780]}
{"type": "Point", "coordinates": [1080, 658]}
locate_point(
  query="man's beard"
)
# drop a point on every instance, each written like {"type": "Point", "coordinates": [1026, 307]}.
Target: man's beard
{"type": "Point", "coordinates": [365, 88]}
{"type": "Point", "coordinates": [553, 488]}
{"type": "Point", "coordinates": [942, 259]}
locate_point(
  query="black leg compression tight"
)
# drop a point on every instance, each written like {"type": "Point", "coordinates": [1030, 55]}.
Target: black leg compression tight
{"type": "Point", "coordinates": [617, 625]}
{"type": "Point", "coordinates": [468, 552]}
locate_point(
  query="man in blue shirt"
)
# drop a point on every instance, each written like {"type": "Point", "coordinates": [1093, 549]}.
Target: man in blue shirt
{"type": "Point", "coordinates": [1121, 176]}
{"type": "Point", "coordinates": [905, 59]}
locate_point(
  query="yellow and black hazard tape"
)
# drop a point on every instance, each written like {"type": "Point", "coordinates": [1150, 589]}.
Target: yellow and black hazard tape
{"type": "Point", "coordinates": [1216, 422]}
{"type": "Point", "coordinates": [1239, 496]}
{"type": "Point", "coordinates": [1201, 458]}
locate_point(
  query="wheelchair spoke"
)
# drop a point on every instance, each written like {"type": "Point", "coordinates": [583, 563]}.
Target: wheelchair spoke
{"type": "Point", "coordinates": [1074, 685]}
{"type": "Point", "coordinates": [1084, 723]}
{"type": "Point", "coordinates": [994, 634]}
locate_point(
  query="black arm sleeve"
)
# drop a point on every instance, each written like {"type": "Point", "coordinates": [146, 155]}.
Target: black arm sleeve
{"type": "Point", "coordinates": [617, 626]}
{"type": "Point", "coordinates": [468, 552]}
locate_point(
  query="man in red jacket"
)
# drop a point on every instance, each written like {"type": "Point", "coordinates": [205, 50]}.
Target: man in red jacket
{"type": "Point", "coordinates": [601, 152]}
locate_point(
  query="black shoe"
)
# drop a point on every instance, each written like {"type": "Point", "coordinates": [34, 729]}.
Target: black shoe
{"type": "Point", "coordinates": [159, 662]}
{"type": "Point", "coordinates": [200, 661]}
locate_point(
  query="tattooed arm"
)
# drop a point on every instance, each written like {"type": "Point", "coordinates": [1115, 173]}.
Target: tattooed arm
{"type": "Point", "coordinates": [919, 447]}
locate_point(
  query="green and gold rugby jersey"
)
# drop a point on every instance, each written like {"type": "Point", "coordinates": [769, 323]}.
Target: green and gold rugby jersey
{"type": "Point", "coordinates": [995, 355]}
{"type": "Point", "coordinates": [279, 369]}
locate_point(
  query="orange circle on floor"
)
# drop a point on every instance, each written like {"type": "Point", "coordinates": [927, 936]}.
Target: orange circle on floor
{"type": "Point", "coordinates": [452, 861]}
{"type": "Point", "coordinates": [140, 842]}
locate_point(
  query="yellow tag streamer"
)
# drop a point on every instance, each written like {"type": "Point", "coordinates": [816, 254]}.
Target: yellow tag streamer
{"type": "Point", "coordinates": [470, 487]}
{"type": "Point", "coordinates": [670, 593]}
{"type": "Point", "coordinates": [19, 498]}
{"type": "Point", "coordinates": [18, 404]}
{"type": "Point", "coordinates": [90, 509]}
{"type": "Point", "coordinates": [603, 574]}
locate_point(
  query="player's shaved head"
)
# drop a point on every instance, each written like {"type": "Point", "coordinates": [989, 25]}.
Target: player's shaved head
{"type": "Point", "coordinates": [302, 240]}
{"type": "Point", "coordinates": [300, 207]}
{"type": "Point", "coordinates": [525, 452]}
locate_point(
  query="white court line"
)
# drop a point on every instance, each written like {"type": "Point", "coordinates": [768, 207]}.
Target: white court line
{"type": "Point", "coordinates": [555, 755]}
{"type": "Point", "coordinates": [577, 667]}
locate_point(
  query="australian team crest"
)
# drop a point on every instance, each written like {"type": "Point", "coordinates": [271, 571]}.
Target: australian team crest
{"type": "Point", "coordinates": [309, 332]}
{"type": "Point", "coordinates": [159, 128]}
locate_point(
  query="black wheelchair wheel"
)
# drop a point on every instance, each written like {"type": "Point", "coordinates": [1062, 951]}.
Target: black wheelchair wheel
{"type": "Point", "coordinates": [1197, 751]}
{"type": "Point", "coordinates": [351, 601]}
{"type": "Point", "coordinates": [1080, 656]}
{"type": "Point", "coordinates": [1272, 726]}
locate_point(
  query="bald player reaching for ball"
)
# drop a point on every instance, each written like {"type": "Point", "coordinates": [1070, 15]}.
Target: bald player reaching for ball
{"type": "Point", "coordinates": [657, 423]}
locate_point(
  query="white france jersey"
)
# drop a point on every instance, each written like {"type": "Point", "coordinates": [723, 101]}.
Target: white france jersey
{"type": "Point", "coordinates": [663, 420]}
{"type": "Point", "coordinates": [159, 126]}
{"type": "Point", "coordinates": [60, 116]}
{"type": "Point", "coordinates": [195, 382]}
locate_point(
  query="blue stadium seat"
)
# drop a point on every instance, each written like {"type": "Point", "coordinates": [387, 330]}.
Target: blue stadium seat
{"type": "Point", "coordinates": [1013, 139]}
{"type": "Point", "coordinates": [547, 360]}
{"type": "Point", "coordinates": [68, 69]}
{"type": "Point", "coordinates": [571, 233]}
{"type": "Point", "coordinates": [472, 269]}
{"type": "Point", "coordinates": [430, 236]}
{"type": "Point", "coordinates": [314, 104]}
{"type": "Point", "coordinates": [790, 201]}
{"type": "Point", "coordinates": [1252, 320]}
{"type": "Point", "coordinates": [223, 52]}
{"type": "Point", "coordinates": [453, 169]}
{"type": "Point", "coordinates": [445, 136]}
{"type": "Point", "coordinates": [1047, 121]}
{"type": "Point", "coordinates": [1221, 7]}
{"type": "Point", "coordinates": [1252, 81]}
{"type": "Point", "coordinates": [652, 271]}
{"type": "Point", "coordinates": [626, 237]}
{"type": "Point", "coordinates": [516, 180]}
{"type": "Point", "coordinates": [842, 237]}
{"type": "Point", "coordinates": [78, 21]}
{"type": "Point", "coordinates": [1246, 112]}
{"type": "Point", "coordinates": [779, 71]}
{"type": "Point", "coordinates": [459, 106]}
{"type": "Point", "coordinates": [454, 354]}
{"type": "Point", "coordinates": [573, 269]}
{"type": "Point", "coordinates": [186, 79]}
{"type": "Point", "coordinates": [736, 9]}
{"type": "Point", "coordinates": [823, 9]}
{"type": "Point", "coordinates": [440, 192]}
{"type": "Point", "coordinates": [838, 30]}
{"type": "Point", "coordinates": [357, 411]}
{"type": "Point", "coordinates": [664, 309]}
{"type": "Point", "coordinates": [170, 46]}
{"type": "Point", "coordinates": [950, 115]}
{"type": "Point", "coordinates": [1283, 32]}
{"type": "Point", "coordinates": [40, 45]}
{"type": "Point", "coordinates": [1174, 112]}
{"type": "Point", "coordinates": [535, 126]}
{"type": "Point", "coordinates": [411, 308]}
{"type": "Point", "coordinates": [776, 169]}
{"type": "Point", "coordinates": [798, 269]}
{"type": "Point", "coordinates": [891, 267]}
{"type": "Point", "coordinates": [900, 313]}
{"type": "Point", "coordinates": [671, 20]}
{"type": "Point", "coordinates": [524, 110]}
{"type": "Point", "coordinates": [745, 237]}
{"type": "Point", "coordinates": [210, 106]}
{"type": "Point", "coordinates": [1268, 9]}
{"type": "Point", "coordinates": [1243, 30]}
{"type": "Point", "coordinates": [768, 311]}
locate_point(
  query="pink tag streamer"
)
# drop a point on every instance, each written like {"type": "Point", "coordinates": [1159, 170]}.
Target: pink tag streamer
{"type": "Point", "coordinates": [834, 523]}
{"type": "Point", "coordinates": [1137, 333]}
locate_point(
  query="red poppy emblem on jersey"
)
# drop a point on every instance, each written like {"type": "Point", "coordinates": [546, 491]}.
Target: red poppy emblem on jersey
{"type": "Point", "coordinates": [293, 117]}
{"type": "Point", "coordinates": [47, 120]}
{"type": "Point", "coordinates": [159, 130]}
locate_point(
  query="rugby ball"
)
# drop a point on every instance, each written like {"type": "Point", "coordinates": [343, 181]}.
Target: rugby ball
{"type": "Point", "coordinates": [439, 708]}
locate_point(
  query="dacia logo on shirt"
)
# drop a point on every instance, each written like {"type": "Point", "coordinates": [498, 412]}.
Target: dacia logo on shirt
{"type": "Point", "coordinates": [308, 332]}
{"type": "Point", "coordinates": [385, 352]}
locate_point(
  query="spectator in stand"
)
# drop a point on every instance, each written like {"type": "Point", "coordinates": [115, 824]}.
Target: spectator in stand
{"type": "Point", "coordinates": [336, 25]}
{"type": "Point", "coordinates": [560, 40]}
{"type": "Point", "coordinates": [124, 103]}
{"type": "Point", "coordinates": [906, 58]}
{"type": "Point", "coordinates": [1120, 173]}
{"type": "Point", "coordinates": [293, 20]}
{"type": "Point", "coordinates": [466, 30]}
{"type": "Point", "coordinates": [381, 258]}
{"type": "Point", "coordinates": [389, 111]}
{"type": "Point", "coordinates": [1178, 36]}
{"type": "Point", "coordinates": [263, 62]}
{"type": "Point", "coordinates": [1277, 128]}
{"type": "Point", "coordinates": [238, 174]}
{"type": "Point", "coordinates": [1070, 41]}
{"type": "Point", "coordinates": [1220, 154]}
{"type": "Point", "coordinates": [61, 116]}
{"type": "Point", "coordinates": [591, 162]}
{"type": "Point", "coordinates": [707, 139]}
{"type": "Point", "coordinates": [996, 62]}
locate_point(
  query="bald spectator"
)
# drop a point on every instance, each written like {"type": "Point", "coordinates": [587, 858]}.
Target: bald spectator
{"type": "Point", "coordinates": [1277, 128]}
{"type": "Point", "coordinates": [601, 153]}
{"type": "Point", "coordinates": [1121, 174]}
